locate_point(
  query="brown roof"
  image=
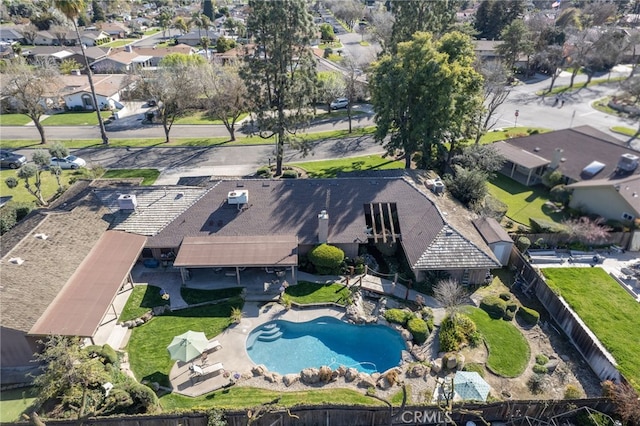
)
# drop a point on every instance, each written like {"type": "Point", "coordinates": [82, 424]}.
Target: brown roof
{"type": "Point", "coordinates": [79, 308]}
{"type": "Point", "coordinates": [581, 146]}
{"type": "Point", "coordinates": [161, 52]}
{"type": "Point", "coordinates": [256, 251]}
{"type": "Point", "coordinates": [105, 84]}
{"type": "Point", "coordinates": [491, 230]}
{"type": "Point", "coordinates": [520, 156]}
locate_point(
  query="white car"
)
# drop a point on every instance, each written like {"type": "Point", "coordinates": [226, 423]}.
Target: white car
{"type": "Point", "coordinates": [340, 103]}
{"type": "Point", "coordinates": [68, 162]}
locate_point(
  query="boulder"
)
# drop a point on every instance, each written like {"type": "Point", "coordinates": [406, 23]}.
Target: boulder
{"type": "Point", "coordinates": [350, 375]}
{"type": "Point", "coordinates": [146, 317]}
{"type": "Point", "coordinates": [552, 365]}
{"type": "Point", "coordinates": [450, 361]}
{"type": "Point", "coordinates": [342, 370]}
{"type": "Point", "coordinates": [289, 379]}
{"type": "Point", "coordinates": [129, 324]}
{"type": "Point", "coordinates": [137, 322]}
{"type": "Point", "coordinates": [389, 378]}
{"type": "Point", "coordinates": [406, 335]}
{"type": "Point", "coordinates": [325, 373]}
{"type": "Point", "coordinates": [155, 386]}
{"type": "Point", "coordinates": [461, 361]}
{"type": "Point", "coordinates": [418, 355]}
{"type": "Point", "coordinates": [417, 370]}
{"type": "Point", "coordinates": [365, 381]}
{"type": "Point", "coordinates": [310, 376]}
{"type": "Point", "coordinates": [259, 370]}
{"type": "Point", "coordinates": [272, 377]}
{"type": "Point", "coordinates": [436, 365]}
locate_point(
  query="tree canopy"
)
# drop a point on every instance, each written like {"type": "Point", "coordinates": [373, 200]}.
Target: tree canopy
{"type": "Point", "coordinates": [411, 16]}
{"type": "Point", "coordinates": [426, 94]}
{"type": "Point", "coordinates": [493, 15]}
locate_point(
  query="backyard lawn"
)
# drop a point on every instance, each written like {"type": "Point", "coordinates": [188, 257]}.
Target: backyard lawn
{"type": "Point", "coordinates": [609, 312]}
{"type": "Point", "coordinates": [13, 403]}
{"type": "Point", "coordinates": [509, 351]}
{"type": "Point", "coordinates": [84, 118]}
{"type": "Point", "coordinates": [49, 185]}
{"type": "Point", "coordinates": [14, 119]}
{"type": "Point", "coordinates": [331, 168]}
{"type": "Point", "coordinates": [306, 292]}
{"type": "Point", "coordinates": [148, 176]}
{"type": "Point", "coordinates": [141, 300]}
{"type": "Point", "coordinates": [524, 202]}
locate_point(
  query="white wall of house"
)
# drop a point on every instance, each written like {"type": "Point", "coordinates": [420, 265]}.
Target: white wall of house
{"type": "Point", "coordinates": [502, 250]}
{"type": "Point", "coordinates": [43, 41]}
{"type": "Point", "coordinates": [604, 201]}
{"type": "Point", "coordinates": [82, 98]}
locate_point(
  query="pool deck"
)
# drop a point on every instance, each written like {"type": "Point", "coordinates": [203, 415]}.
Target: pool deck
{"type": "Point", "coordinates": [233, 354]}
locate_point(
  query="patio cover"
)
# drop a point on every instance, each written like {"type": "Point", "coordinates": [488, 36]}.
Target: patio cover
{"type": "Point", "coordinates": [84, 300]}
{"type": "Point", "coordinates": [519, 156]}
{"type": "Point", "coordinates": [252, 251]}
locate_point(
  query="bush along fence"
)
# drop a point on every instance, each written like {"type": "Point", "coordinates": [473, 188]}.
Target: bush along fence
{"type": "Point", "coordinates": [553, 240]}
{"type": "Point", "coordinates": [511, 411]}
{"type": "Point", "coordinates": [582, 338]}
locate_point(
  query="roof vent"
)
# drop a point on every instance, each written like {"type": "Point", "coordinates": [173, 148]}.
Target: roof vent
{"type": "Point", "coordinates": [41, 236]}
{"type": "Point", "coordinates": [238, 197]}
{"type": "Point", "coordinates": [627, 163]}
{"type": "Point", "coordinates": [536, 149]}
{"type": "Point", "coordinates": [127, 202]}
{"type": "Point", "coordinates": [16, 261]}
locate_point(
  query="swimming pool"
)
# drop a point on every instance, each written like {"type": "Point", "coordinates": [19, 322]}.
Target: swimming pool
{"type": "Point", "coordinates": [289, 347]}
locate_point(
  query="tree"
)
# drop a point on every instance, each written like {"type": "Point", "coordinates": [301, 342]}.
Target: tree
{"type": "Point", "coordinates": [480, 157]}
{"type": "Point", "coordinates": [425, 94]}
{"type": "Point", "coordinates": [207, 9]}
{"type": "Point", "coordinates": [60, 33]}
{"type": "Point", "coordinates": [200, 22]}
{"type": "Point", "coordinates": [226, 93]}
{"type": "Point", "coordinates": [174, 86]}
{"type": "Point", "coordinates": [30, 32]}
{"type": "Point", "coordinates": [469, 186]}
{"type": "Point", "coordinates": [347, 10]}
{"type": "Point", "coordinates": [330, 86]}
{"type": "Point", "coordinates": [164, 20]}
{"type": "Point", "coordinates": [58, 150]}
{"type": "Point", "coordinates": [29, 88]}
{"type": "Point", "coordinates": [281, 72]}
{"type": "Point", "coordinates": [224, 44]}
{"type": "Point", "coordinates": [451, 295]}
{"type": "Point", "coordinates": [551, 60]}
{"type": "Point", "coordinates": [98, 12]}
{"type": "Point", "coordinates": [382, 28]}
{"type": "Point", "coordinates": [586, 230]}
{"type": "Point", "coordinates": [515, 42]}
{"type": "Point", "coordinates": [181, 25]}
{"type": "Point", "coordinates": [68, 65]}
{"type": "Point", "coordinates": [411, 16]}
{"type": "Point", "coordinates": [496, 90]}
{"type": "Point", "coordinates": [72, 9]}
{"type": "Point", "coordinates": [41, 159]}
{"type": "Point", "coordinates": [326, 32]}
{"type": "Point", "coordinates": [493, 15]}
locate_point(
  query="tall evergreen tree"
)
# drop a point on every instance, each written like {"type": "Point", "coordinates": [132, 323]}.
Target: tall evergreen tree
{"type": "Point", "coordinates": [208, 9]}
{"type": "Point", "coordinates": [280, 73]}
{"type": "Point", "coordinates": [412, 16]}
{"type": "Point", "coordinates": [98, 12]}
{"type": "Point", "coordinates": [493, 15]}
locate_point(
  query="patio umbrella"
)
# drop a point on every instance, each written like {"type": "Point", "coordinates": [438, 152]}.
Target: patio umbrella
{"type": "Point", "coordinates": [469, 385]}
{"type": "Point", "coordinates": [187, 346]}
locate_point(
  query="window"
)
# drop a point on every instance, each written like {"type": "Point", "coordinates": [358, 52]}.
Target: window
{"type": "Point", "coordinates": [627, 216]}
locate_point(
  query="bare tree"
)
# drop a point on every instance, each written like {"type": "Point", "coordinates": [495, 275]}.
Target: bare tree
{"type": "Point", "coordinates": [451, 295]}
{"type": "Point", "coordinates": [353, 86]}
{"type": "Point", "coordinates": [60, 33]}
{"type": "Point", "coordinates": [347, 10]}
{"type": "Point", "coordinates": [29, 88]}
{"type": "Point", "coordinates": [30, 32]}
{"type": "Point", "coordinates": [330, 86]}
{"type": "Point", "coordinates": [587, 230]}
{"type": "Point", "coordinates": [627, 402]}
{"type": "Point", "coordinates": [496, 90]}
{"type": "Point", "coordinates": [382, 27]}
{"type": "Point", "coordinates": [551, 59]}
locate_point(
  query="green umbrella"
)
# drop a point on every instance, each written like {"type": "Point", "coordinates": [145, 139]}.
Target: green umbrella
{"type": "Point", "coordinates": [187, 346]}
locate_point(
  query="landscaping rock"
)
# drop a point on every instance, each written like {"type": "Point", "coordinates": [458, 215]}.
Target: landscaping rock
{"type": "Point", "coordinates": [289, 379]}
{"type": "Point", "coordinates": [552, 365]}
{"type": "Point", "coordinates": [420, 356]}
{"type": "Point", "coordinates": [461, 361]}
{"type": "Point", "coordinates": [146, 317]}
{"type": "Point", "coordinates": [342, 370]}
{"type": "Point", "coordinates": [450, 361]}
{"type": "Point", "coordinates": [389, 378]}
{"type": "Point", "coordinates": [365, 381]}
{"type": "Point", "coordinates": [325, 373]}
{"type": "Point", "coordinates": [310, 376]}
{"type": "Point", "coordinates": [259, 370]}
{"type": "Point", "coordinates": [350, 375]}
{"type": "Point", "coordinates": [436, 365]}
{"type": "Point", "coordinates": [138, 321]}
{"type": "Point", "coordinates": [155, 386]}
{"type": "Point", "coordinates": [272, 377]}
{"type": "Point", "coordinates": [417, 370]}
{"type": "Point", "coordinates": [129, 324]}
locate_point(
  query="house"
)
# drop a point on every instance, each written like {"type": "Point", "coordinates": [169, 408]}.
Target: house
{"type": "Point", "coordinates": [617, 200]}
{"type": "Point", "coordinates": [486, 50]}
{"type": "Point", "coordinates": [115, 29]}
{"type": "Point", "coordinates": [579, 153]}
{"type": "Point", "coordinates": [10, 35]}
{"type": "Point", "coordinates": [77, 93]}
{"type": "Point", "coordinates": [94, 38]}
{"type": "Point", "coordinates": [193, 37]}
{"type": "Point", "coordinates": [121, 62]}
{"type": "Point", "coordinates": [45, 38]}
{"type": "Point", "coordinates": [156, 54]}
{"type": "Point", "coordinates": [496, 237]}
{"type": "Point", "coordinates": [59, 53]}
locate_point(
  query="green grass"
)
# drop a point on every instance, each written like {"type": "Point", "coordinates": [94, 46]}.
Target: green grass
{"type": "Point", "coordinates": [147, 346]}
{"type": "Point", "coordinates": [120, 42]}
{"type": "Point", "coordinates": [15, 402]}
{"type": "Point", "coordinates": [201, 117]}
{"type": "Point", "coordinates": [193, 296]}
{"type": "Point", "coordinates": [152, 31]}
{"type": "Point", "coordinates": [627, 131]}
{"type": "Point", "coordinates": [148, 176]}
{"type": "Point", "coordinates": [524, 202]}
{"type": "Point", "coordinates": [14, 119]}
{"type": "Point", "coordinates": [509, 133]}
{"type": "Point", "coordinates": [49, 185]}
{"type": "Point", "coordinates": [306, 292]}
{"type": "Point", "coordinates": [239, 397]}
{"type": "Point", "coordinates": [141, 300]}
{"type": "Point", "coordinates": [577, 86]}
{"type": "Point", "coordinates": [509, 351]}
{"type": "Point", "coordinates": [330, 168]}
{"type": "Point", "coordinates": [609, 312]}
{"type": "Point", "coordinates": [332, 45]}
{"type": "Point", "coordinates": [602, 105]}
{"type": "Point", "coordinates": [364, 43]}
{"type": "Point", "coordinates": [84, 118]}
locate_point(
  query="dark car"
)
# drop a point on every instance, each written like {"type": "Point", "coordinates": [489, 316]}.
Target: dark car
{"type": "Point", "coordinates": [11, 159]}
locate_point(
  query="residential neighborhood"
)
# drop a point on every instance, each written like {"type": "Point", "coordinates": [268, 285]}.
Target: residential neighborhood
{"type": "Point", "coordinates": [340, 212]}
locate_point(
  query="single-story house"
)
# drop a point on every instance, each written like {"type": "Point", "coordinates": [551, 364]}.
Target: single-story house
{"type": "Point", "coordinates": [10, 35]}
{"type": "Point", "coordinates": [193, 37]}
{"type": "Point", "coordinates": [617, 200]}
{"type": "Point", "coordinates": [45, 38]}
{"type": "Point", "coordinates": [59, 53]}
{"type": "Point", "coordinates": [579, 153]}
{"type": "Point", "coordinates": [115, 29]}
{"type": "Point", "coordinates": [94, 38]}
{"type": "Point", "coordinates": [156, 54]}
{"type": "Point", "coordinates": [77, 93]}
{"type": "Point", "coordinates": [121, 62]}
{"type": "Point", "coordinates": [486, 50]}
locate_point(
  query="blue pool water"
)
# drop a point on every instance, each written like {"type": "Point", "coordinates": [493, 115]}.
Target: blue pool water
{"type": "Point", "coordinates": [288, 347]}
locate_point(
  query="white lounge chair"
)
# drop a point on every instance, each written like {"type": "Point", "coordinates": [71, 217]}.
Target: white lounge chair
{"type": "Point", "coordinates": [213, 346]}
{"type": "Point", "coordinates": [202, 371]}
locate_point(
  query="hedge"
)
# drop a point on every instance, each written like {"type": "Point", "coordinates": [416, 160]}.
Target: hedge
{"type": "Point", "coordinates": [398, 316]}
{"type": "Point", "coordinates": [494, 306]}
{"type": "Point", "coordinates": [528, 315]}
{"type": "Point", "coordinates": [541, 226]}
{"type": "Point", "coordinates": [419, 329]}
{"type": "Point", "coordinates": [326, 259]}
{"type": "Point", "coordinates": [449, 335]}
{"type": "Point", "coordinates": [289, 174]}
{"type": "Point", "coordinates": [508, 316]}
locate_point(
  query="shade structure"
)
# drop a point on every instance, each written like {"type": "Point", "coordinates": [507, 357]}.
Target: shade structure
{"type": "Point", "coordinates": [469, 385]}
{"type": "Point", "coordinates": [187, 346]}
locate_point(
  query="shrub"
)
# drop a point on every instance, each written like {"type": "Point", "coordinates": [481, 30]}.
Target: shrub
{"type": "Point", "coordinates": [528, 315]}
{"type": "Point", "coordinates": [109, 355]}
{"type": "Point", "coordinates": [593, 418]}
{"type": "Point", "coordinates": [560, 193]}
{"type": "Point", "coordinates": [144, 399]}
{"type": "Point", "coordinates": [326, 259]}
{"type": "Point", "coordinates": [572, 392]}
{"type": "Point", "coordinates": [397, 316]}
{"type": "Point", "coordinates": [7, 218]}
{"type": "Point", "coordinates": [523, 244]}
{"type": "Point", "coordinates": [22, 210]}
{"type": "Point", "coordinates": [508, 315]}
{"type": "Point", "coordinates": [494, 306]}
{"type": "Point", "coordinates": [541, 226]}
{"type": "Point", "coordinates": [551, 178]}
{"type": "Point", "coordinates": [449, 336]}
{"type": "Point", "coordinates": [264, 172]}
{"type": "Point", "coordinates": [540, 369]}
{"type": "Point", "coordinates": [419, 329]}
{"type": "Point", "coordinates": [512, 307]}
{"type": "Point", "coordinates": [505, 296]}
{"type": "Point", "coordinates": [465, 324]}
{"type": "Point", "coordinates": [542, 359]}
{"type": "Point", "coordinates": [289, 174]}
{"type": "Point", "coordinates": [536, 384]}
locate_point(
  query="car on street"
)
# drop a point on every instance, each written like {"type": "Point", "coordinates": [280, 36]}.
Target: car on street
{"type": "Point", "coordinates": [11, 159]}
{"type": "Point", "coordinates": [339, 103]}
{"type": "Point", "coordinates": [68, 162]}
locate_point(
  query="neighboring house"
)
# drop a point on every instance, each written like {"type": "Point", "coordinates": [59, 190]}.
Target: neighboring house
{"type": "Point", "coordinates": [94, 38]}
{"type": "Point", "coordinates": [617, 200]}
{"type": "Point", "coordinates": [115, 29]}
{"type": "Point", "coordinates": [121, 62]}
{"type": "Point", "coordinates": [193, 37]}
{"type": "Point", "coordinates": [60, 54]}
{"type": "Point", "coordinates": [45, 38]}
{"type": "Point", "coordinates": [486, 50]}
{"type": "Point", "coordinates": [77, 93]}
{"type": "Point", "coordinates": [579, 153]}
{"type": "Point", "coordinates": [156, 54]}
{"type": "Point", "coordinates": [10, 35]}
{"type": "Point", "coordinates": [496, 237]}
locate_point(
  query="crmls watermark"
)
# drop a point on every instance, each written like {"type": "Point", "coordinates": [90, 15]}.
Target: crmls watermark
{"type": "Point", "coordinates": [426, 417]}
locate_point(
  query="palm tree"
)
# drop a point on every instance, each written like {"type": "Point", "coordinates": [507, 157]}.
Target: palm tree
{"type": "Point", "coordinates": [72, 9]}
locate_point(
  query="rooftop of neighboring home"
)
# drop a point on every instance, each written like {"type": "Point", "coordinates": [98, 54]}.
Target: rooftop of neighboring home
{"type": "Point", "coordinates": [92, 52]}
{"type": "Point", "coordinates": [105, 84]}
{"type": "Point", "coordinates": [628, 188]}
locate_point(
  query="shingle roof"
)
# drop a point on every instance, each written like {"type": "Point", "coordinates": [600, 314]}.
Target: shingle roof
{"type": "Point", "coordinates": [157, 207]}
{"type": "Point", "coordinates": [450, 250]}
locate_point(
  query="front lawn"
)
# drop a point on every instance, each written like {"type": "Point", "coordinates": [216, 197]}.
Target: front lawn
{"type": "Point", "coordinates": [331, 168]}
{"type": "Point", "coordinates": [148, 176]}
{"type": "Point", "coordinates": [49, 185]}
{"type": "Point", "coordinates": [84, 118]}
{"type": "Point", "coordinates": [142, 299]}
{"type": "Point", "coordinates": [201, 117]}
{"type": "Point", "coordinates": [524, 201]}
{"type": "Point", "coordinates": [305, 292]}
{"type": "Point", "coordinates": [627, 131]}
{"type": "Point", "coordinates": [509, 351]}
{"type": "Point", "coordinates": [15, 402]}
{"type": "Point", "coordinates": [609, 312]}
{"type": "Point", "coordinates": [14, 119]}
{"type": "Point", "coordinates": [239, 397]}
{"type": "Point", "coordinates": [147, 346]}
{"type": "Point", "coordinates": [510, 133]}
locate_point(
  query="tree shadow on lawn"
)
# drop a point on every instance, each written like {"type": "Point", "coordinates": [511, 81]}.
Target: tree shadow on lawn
{"type": "Point", "coordinates": [152, 298]}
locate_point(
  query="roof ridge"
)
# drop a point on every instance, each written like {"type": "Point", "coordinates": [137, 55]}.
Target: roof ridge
{"type": "Point", "coordinates": [188, 207]}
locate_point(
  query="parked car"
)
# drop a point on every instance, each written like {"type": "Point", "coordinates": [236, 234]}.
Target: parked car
{"type": "Point", "coordinates": [340, 103]}
{"type": "Point", "coordinates": [11, 159]}
{"type": "Point", "coordinates": [68, 162]}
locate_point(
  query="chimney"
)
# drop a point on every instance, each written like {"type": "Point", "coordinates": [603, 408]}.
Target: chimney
{"type": "Point", "coordinates": [127, 202]}
{"type": "Point", "coordinates": [557, 158]}
{"type": "Point", "coordinates": [323, 226]}
{"type": "Point", "coordinates": [128, 48]}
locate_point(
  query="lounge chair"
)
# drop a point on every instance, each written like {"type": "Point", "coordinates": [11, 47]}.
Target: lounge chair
{"type": "Point", "coordinates": [213, 346]}
{"type": "Point", "coordinates": [202, 371]}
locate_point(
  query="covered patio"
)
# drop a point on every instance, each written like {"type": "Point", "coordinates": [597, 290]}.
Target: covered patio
{"type": "Point", "coordinates": [521, 165]}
